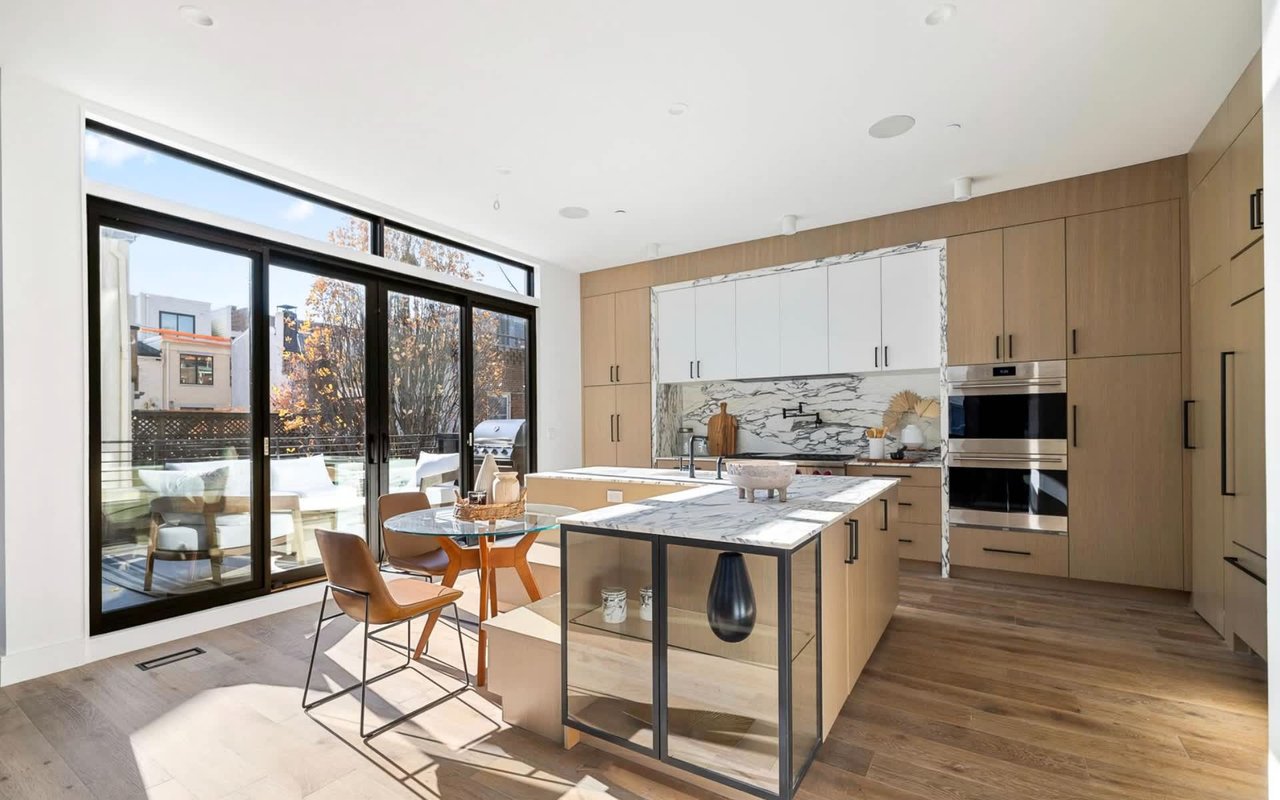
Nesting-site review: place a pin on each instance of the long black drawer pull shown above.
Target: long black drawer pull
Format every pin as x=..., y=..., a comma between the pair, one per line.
x=882, y=475
x=1186, y=425
x=1006, y=552
x=904, y=505
x=1075, y=435
x=1235, y=562
x=885, y=526
x=906, y=541
x=853, y=541
x=1222, y=420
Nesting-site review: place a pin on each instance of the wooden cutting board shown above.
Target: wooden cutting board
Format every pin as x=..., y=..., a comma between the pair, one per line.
x=722, y=432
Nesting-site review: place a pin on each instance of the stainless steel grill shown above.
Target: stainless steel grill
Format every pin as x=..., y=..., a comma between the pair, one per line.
x=504, y=439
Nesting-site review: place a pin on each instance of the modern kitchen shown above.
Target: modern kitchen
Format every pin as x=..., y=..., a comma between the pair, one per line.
x=912, y=443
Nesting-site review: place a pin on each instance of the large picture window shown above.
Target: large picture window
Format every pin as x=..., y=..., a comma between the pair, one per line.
x=247, y=393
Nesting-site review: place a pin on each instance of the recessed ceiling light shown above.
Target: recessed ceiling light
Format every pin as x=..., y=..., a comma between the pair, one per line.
x=676, y=109
x=940, y=14
x=954, y=126
x=619, y=211
x=574, y=212
x=789, y=224
x=196, y=16
x=890, y=127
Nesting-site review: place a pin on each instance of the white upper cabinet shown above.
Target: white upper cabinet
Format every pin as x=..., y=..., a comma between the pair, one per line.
x=758, y=325
x=911, y=328
x=803, y=304
x=676, y=350
x=715, y=331
x=853, y=311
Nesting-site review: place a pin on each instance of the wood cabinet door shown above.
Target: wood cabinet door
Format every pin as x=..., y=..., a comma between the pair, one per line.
x=715, y=332
x=599, y=406
x=858, y=614
x=1035, y=286
x=677, y=350
x=1246, y=511
x=1124, y=293
x=633, y=425
x=975, y=298
x=598, y=340
x=836, y=626
x=911, y=310
x=1209, y=336
x=759, y=326
x=633, y=336
x=853, y=317
x=803, y=300
x=1124, y=470
x=1244, y=158
x=1209, y=220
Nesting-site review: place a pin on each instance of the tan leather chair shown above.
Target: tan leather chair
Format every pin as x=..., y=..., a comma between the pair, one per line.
x=362, y=594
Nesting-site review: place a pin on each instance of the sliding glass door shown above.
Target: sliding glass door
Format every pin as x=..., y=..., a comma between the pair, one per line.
x=246, y=395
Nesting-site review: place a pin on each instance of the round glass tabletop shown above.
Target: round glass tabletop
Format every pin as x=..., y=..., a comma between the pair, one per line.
x=442, y=522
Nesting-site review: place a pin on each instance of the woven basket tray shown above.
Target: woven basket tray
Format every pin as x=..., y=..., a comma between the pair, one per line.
x=488, y=513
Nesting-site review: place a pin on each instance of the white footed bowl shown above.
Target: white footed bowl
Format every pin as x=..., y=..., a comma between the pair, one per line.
x=772, y=476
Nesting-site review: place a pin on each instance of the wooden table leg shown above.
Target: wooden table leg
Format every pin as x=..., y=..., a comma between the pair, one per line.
x=486, y=574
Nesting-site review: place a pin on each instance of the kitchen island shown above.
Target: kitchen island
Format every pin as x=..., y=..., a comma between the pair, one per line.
x=716, y=636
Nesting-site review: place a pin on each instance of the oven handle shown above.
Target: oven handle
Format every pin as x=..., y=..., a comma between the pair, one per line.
x=1030, y=382
x=1018, y=459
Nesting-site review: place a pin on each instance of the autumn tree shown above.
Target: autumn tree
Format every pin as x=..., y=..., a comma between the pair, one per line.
x=323, y=390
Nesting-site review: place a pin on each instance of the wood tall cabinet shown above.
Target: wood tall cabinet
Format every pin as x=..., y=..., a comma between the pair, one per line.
x=616, y=372
x=1125, y=470
x=1006, y=295
x=1124, y=281
x=1210, y=328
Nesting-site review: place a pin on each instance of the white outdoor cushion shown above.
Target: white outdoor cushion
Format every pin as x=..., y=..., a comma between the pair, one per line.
x=230, y=536
x=300, y=476
x=281, y=525
x=166, y=483
x=178, y=538
x=431, y=464
x=337, y=498
x=239, y=477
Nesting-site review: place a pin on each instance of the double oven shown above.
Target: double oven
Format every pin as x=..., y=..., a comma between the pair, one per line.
x=1007, y=446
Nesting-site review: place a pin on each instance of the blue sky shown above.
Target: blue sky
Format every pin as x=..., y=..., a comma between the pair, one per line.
x=164, y=267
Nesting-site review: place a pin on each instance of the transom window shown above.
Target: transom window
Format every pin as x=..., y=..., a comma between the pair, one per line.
x=182, y=323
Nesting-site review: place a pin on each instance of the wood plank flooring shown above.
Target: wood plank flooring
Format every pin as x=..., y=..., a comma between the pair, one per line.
x=978, y=691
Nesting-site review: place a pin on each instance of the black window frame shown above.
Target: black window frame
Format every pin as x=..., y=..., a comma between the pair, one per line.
x=377, y=223
x=178, y=318
x=105, y=212
x=208, y=357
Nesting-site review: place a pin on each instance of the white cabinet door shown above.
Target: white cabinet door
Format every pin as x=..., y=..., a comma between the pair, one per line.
x=911, y=310
x=803, y=300
x=853, y=317
x=757, y=326
x=715, y=331
x=677, y=350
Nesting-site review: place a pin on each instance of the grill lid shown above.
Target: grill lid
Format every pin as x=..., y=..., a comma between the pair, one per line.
x=504, y=431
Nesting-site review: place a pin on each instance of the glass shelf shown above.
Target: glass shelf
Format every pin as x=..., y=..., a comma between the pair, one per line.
x=689, y=630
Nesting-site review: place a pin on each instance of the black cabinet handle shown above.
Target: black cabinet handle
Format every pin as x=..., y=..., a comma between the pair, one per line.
x=699, y=368
x=885, y=503
x=906, y=541
x=1008, y=351
x=877, y=349
x=1073, y=341
x=617, y=373
x=904, y=505
x=618, y=417
x=611, y=436
x=690, y=369
x=886, y=356
x=1255, y=211
x=1186, y=425
x=1222, y=420
x=1075, y=428
x=854, y=541
x=1235, y=562
x=903, y=477
x=1002, y=551
x=997, y=347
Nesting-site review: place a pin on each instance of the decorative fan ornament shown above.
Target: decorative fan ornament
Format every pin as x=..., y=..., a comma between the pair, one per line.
x=906, y=404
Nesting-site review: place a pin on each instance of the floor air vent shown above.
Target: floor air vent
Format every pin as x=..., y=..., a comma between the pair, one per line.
x=160, y=661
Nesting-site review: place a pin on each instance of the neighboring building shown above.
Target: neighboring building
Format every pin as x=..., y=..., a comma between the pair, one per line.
x=182, y=371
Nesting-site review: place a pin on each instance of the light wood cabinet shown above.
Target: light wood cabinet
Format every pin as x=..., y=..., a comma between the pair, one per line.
x=911, y=316
x=1012, y=551
x=617, y=426
x=1124, y=281
x=1125, y=462
x=853, y=317
x=1244, y=205
x=759, y=321
x=1209, y=220
x=975, y=297
x=836, y=632
x=802, y=296
x=1035, y=305
x=1210, y=309
x=616, y=338
x=1246, y=502
x=1005, y=295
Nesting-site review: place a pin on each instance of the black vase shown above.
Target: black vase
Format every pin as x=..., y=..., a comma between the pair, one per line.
x=731, y=603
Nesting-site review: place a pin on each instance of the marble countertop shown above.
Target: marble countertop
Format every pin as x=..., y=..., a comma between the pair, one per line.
x=712, y=512
x=632, y=475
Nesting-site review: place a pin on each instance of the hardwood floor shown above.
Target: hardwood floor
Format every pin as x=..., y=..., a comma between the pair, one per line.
x=977, y=691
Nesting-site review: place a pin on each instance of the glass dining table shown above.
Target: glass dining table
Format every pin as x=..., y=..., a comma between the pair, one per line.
x=488, y=538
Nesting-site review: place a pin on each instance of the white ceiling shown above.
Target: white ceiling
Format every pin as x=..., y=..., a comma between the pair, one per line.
x=417, y=103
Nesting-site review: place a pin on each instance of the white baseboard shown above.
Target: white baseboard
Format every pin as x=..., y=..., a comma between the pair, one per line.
x=28, y=664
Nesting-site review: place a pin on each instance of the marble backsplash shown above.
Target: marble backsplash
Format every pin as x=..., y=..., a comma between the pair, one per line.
x=848, y=405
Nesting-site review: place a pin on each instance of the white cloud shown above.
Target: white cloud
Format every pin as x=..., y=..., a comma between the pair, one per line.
x=110, y=152
x=299, y=210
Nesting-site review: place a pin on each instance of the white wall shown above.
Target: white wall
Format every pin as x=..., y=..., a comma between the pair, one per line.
x=1271, y=175
x=44, y=424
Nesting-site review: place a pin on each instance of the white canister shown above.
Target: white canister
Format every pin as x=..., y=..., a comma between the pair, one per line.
x=505, y=489
x=875, y=448
x=912, y=437
x=613, y=605
x=646, y=603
